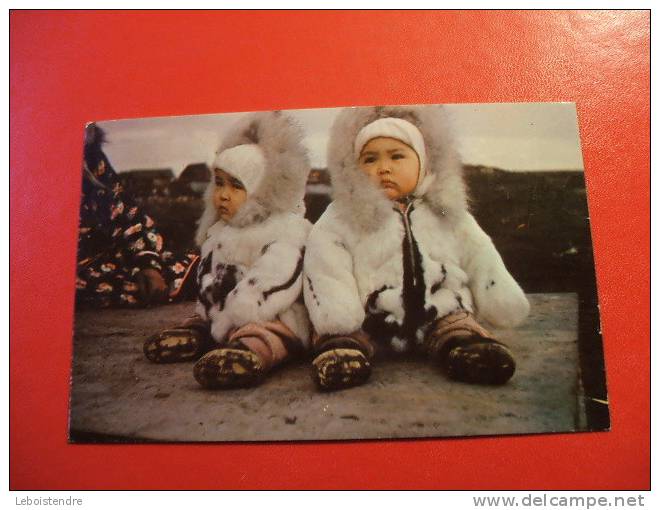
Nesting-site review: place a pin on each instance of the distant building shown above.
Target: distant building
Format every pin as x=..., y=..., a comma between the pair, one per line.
x=481, y=170
x=192, y=181
x=195, y=172
x=317, y=196
x=147, y=182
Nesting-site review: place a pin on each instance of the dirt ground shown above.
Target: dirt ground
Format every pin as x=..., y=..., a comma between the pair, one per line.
x=117, y=395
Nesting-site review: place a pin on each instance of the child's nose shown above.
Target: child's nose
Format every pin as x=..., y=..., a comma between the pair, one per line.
x=383, y=168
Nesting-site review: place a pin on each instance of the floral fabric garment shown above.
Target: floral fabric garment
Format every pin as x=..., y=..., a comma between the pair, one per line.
x=116, y=242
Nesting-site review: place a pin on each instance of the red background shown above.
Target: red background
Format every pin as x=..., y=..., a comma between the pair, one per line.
x=69, y=67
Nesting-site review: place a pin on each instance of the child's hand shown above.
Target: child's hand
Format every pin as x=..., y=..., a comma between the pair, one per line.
x=221, y=325
x=499, y=299
x=152, y=288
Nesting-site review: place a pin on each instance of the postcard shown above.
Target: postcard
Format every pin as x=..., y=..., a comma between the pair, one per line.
x=336, y=274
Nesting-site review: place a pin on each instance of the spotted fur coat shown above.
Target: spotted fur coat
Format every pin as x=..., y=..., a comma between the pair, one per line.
x=251, y=266
x=370, y=265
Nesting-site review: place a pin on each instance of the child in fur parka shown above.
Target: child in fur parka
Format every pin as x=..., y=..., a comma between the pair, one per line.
x=397, y=260
x=252, y=236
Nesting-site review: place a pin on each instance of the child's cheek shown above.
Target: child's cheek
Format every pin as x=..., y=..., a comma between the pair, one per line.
x=238, y=199
x=373, y=176
x=216, y=199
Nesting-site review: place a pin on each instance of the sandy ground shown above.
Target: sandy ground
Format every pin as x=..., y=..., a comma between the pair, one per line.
x=118, y=395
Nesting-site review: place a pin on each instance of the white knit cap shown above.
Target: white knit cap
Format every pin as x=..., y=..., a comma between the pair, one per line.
x=392, y=127
x=244, y=162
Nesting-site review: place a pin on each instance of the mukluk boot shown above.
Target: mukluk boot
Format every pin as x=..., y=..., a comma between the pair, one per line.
x=342, y=361
x=185, y=342
x=251, y=352
x=468, y=352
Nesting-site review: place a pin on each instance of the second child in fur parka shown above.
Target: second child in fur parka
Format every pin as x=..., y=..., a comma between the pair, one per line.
x=397, y=260
x=252, y=236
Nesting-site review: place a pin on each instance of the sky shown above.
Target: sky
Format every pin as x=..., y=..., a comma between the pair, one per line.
x=511, y=136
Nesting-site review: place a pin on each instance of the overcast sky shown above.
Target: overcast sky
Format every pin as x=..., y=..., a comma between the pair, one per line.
x=511, y=136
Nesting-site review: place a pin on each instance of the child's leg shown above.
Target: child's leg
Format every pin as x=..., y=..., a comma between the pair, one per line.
x=251, y=352
x=342, y=361
x=184, y=342
x=467, y=351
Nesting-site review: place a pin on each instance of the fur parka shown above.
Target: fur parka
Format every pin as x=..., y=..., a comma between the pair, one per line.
x=251, y=267
x=371, y=266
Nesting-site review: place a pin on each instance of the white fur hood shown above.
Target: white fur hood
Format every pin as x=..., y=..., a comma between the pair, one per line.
x=282, y=188
x=359, y=201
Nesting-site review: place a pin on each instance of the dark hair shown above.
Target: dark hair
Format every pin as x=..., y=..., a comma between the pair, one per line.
x=93, y=149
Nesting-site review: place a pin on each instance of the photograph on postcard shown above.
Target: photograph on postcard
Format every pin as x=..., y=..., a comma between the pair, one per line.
x=335, y=274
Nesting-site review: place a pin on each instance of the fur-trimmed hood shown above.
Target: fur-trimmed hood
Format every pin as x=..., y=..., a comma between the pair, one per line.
x=359, y=201
x=282, y=188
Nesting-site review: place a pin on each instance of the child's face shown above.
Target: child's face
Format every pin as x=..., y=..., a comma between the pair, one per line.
x=228, y=195
x=390, y=164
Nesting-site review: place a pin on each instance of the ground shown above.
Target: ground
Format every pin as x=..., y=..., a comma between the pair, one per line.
x=118, y=395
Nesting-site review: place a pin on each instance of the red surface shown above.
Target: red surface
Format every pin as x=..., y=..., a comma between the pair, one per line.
x=68, y=68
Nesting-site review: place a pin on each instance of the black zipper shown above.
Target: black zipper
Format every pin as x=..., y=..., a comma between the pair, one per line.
x=414, y=289
x=409, y=236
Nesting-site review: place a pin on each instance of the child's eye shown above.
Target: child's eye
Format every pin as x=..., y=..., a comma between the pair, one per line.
x=398, y=156
x=219, y=181
x=237, y=184
x=368, y=159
